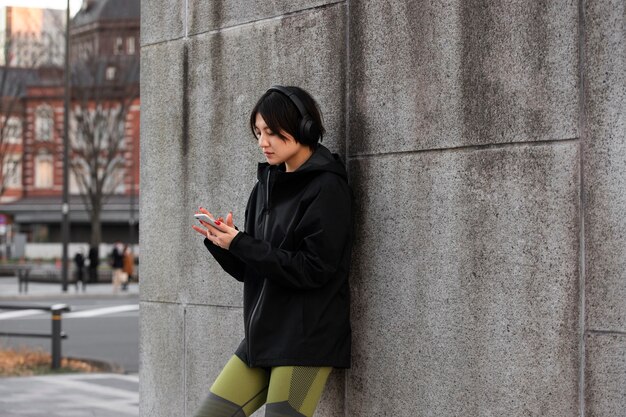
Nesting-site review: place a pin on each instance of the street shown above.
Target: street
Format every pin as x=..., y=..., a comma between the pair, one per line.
x=101, y=329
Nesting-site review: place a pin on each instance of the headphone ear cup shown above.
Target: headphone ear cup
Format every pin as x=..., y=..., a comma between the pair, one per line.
x=309, y=130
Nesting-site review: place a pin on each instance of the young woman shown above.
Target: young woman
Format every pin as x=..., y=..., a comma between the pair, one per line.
x=293, y=259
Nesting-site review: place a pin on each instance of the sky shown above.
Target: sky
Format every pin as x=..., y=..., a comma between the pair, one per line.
x=50, y=4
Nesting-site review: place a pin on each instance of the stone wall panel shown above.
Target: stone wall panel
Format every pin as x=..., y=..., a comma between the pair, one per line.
x=162, y=20
x=429, y=74
x=161, y=360
x=465, y=283
x=604, y=155
x=163, y=227
x=605, y=375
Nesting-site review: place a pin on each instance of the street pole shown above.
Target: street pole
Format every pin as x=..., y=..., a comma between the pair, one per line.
x=65, y=209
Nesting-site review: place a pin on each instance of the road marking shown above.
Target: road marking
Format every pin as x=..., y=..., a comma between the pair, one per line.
x=21, y=313
x=102, y=311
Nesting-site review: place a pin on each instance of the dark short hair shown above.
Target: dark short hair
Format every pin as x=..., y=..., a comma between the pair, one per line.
x=282, y=115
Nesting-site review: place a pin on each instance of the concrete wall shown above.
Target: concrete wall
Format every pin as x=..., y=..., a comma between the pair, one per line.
x=486, y=144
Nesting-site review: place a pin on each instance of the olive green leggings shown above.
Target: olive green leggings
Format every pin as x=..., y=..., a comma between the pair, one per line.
x=288, y=391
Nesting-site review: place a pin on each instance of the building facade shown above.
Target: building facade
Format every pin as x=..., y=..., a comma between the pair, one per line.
x=104, y=81
x=31, y=37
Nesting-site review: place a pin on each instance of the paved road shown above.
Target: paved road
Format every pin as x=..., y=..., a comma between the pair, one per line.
x=101, y=329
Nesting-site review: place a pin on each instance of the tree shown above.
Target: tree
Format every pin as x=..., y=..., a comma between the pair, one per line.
x=103, y=91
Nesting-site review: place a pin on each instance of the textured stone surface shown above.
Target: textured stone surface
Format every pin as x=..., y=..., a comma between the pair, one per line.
x=163, y=226
x=211, y=15
x=605, y=165
x=162, y=20
x=430, y=74
x=230, y=70
x=161, y=359
x=332, y=402
x=606, y=375
x=212, y=334
x=465, y=283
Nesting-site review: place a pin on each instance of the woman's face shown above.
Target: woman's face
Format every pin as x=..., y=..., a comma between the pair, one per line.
x=276, y=149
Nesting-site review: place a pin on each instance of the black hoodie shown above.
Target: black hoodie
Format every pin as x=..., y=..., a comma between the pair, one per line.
x=294, y=259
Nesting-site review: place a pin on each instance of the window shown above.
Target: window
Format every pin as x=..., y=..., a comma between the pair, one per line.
x=114, y=182
x=79, y=169
x=44, y=171
x=119, y=46
x=44, y=122
x=130, y=45
x=13, y=130
x=110, y=73
x=12, y=171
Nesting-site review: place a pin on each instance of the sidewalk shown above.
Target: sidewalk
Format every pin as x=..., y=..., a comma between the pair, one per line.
x=70, y=395
x=38, y=290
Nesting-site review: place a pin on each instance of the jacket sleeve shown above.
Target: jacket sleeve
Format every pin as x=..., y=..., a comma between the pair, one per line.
x=322, y=236
x=229, y=263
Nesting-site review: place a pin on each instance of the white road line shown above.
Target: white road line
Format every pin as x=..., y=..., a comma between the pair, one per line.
x=102, y=311
x=21, y=313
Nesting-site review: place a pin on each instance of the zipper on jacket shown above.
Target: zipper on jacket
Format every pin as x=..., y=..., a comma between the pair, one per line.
x=258, y=300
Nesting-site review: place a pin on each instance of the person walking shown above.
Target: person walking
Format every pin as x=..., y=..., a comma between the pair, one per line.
x=94, y=261
x=117, y=263
x=128, y=262
x=79, y=262
x=293, y=258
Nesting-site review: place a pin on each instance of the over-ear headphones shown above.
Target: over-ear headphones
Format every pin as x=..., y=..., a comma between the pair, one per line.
x=308, y=130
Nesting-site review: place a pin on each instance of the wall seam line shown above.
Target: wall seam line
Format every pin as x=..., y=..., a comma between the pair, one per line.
x=346, y=146
x=606, y=332
x=192, y=304
x=186, y=19
x=470, y=147
x=582, y=209
x=268, y=19
x=184, y=360
x=161, y=42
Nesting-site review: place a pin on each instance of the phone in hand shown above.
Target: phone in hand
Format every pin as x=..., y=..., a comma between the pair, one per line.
x=205, y=218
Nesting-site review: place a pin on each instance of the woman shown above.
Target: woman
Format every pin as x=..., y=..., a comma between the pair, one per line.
x=293, y=260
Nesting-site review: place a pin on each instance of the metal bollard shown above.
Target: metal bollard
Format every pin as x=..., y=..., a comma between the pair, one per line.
x=57, y=334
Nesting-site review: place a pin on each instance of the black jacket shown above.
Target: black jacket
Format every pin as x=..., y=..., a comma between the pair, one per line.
x=294, y=259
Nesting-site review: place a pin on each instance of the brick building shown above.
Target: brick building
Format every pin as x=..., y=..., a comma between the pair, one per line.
x=102, y=72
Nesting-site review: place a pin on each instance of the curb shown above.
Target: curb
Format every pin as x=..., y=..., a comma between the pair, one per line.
x=66, y=296
x=104, y=367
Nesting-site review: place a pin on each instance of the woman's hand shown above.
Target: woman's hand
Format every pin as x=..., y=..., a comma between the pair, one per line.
x=223, y=234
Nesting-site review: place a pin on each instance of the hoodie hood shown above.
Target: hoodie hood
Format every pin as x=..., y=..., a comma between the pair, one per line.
x=322, y=160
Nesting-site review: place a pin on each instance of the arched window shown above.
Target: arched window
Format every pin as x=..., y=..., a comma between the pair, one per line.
x=44, y=122
x=13, y=130
x=12, y=171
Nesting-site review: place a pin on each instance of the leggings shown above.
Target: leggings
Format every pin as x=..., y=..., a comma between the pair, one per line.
x=288, y=391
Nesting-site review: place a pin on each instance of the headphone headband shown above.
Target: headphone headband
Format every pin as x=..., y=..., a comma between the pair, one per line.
x=291, y=96
x=307, y=129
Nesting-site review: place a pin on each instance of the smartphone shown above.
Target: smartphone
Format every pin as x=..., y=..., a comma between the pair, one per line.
x=205, y=218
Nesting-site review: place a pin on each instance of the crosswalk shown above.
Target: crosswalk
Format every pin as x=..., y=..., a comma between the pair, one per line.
x=83, y=313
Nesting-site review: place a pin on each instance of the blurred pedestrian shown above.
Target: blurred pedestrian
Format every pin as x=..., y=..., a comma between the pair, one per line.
x=117, y=263
x=79, y=262
x=129, y=266
x=94, y=261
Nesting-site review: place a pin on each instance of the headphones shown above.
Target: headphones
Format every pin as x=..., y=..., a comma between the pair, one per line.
x=307, y=129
